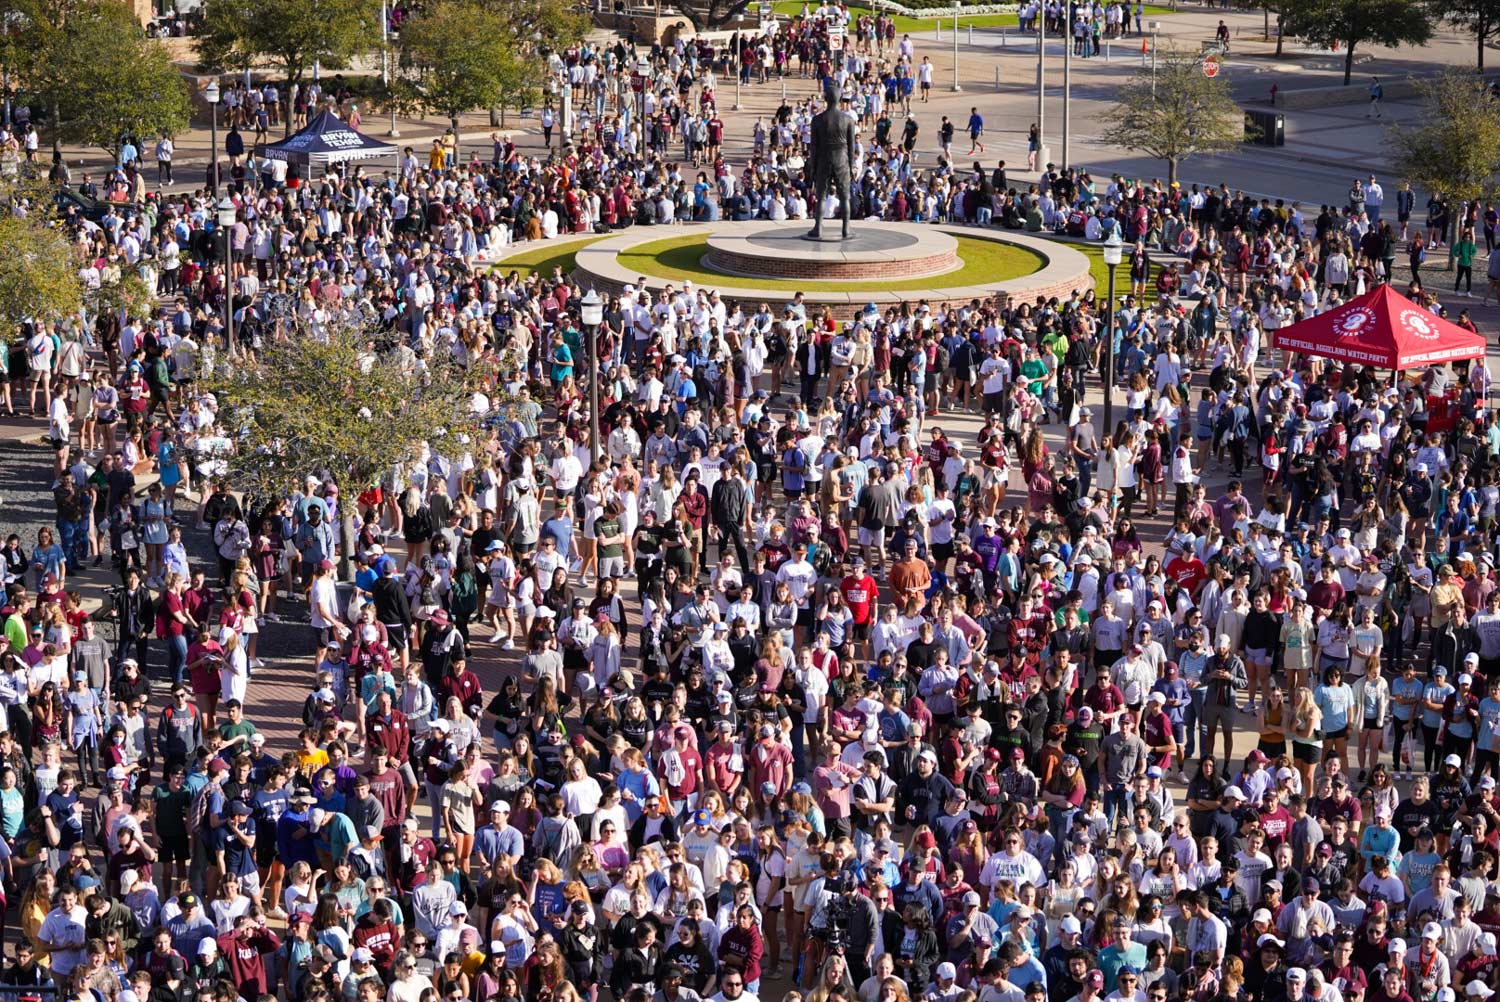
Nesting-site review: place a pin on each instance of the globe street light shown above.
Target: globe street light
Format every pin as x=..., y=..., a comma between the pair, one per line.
x=591, y=312
x=1114, y=251
x=211, y=95
x=226, y=215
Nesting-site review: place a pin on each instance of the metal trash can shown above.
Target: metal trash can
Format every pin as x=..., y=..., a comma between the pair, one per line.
x=1265, y=128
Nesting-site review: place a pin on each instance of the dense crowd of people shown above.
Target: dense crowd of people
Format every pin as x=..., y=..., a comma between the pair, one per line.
x=814, y=694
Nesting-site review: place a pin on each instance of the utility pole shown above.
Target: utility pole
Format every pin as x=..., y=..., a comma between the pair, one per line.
x=1067, y=83
x=956, y=87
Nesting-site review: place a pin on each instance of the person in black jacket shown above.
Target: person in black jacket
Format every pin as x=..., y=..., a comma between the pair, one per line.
x=640, y=963
x=655, y=824
x=392, y=609
x=859, y=919
x=916, y=954
x=728, y=510
x=579, y=943
x=134, y=614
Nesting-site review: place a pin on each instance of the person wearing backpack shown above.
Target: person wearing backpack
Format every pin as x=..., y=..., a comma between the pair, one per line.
x=556, y=835
x=463, y=593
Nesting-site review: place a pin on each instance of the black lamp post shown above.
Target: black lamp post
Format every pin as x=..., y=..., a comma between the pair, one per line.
x=591, y=312
x=211, y=95
x=1114, y=251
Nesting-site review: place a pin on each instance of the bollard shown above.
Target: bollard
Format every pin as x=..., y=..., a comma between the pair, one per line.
x=1004, y=39
x=971, y=34
x=997, y=77
x=937, y=30
x=1106, y=52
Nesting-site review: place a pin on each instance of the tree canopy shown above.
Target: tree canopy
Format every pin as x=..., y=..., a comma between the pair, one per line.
x=38, y=273
x=458, y=56
x=292, y=34
x=335, y=404
x=1175, y=112
x=90, y=63
x=1352, y=22
x=1453, y=147
x=1480, y=18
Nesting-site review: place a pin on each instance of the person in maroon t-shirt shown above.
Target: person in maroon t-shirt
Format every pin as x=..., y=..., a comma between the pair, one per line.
x=1275, y=820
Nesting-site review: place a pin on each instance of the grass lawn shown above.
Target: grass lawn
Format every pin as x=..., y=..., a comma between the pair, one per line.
x=678, y=258
x=912, y=25
x=1100, y=271
x=546, y=256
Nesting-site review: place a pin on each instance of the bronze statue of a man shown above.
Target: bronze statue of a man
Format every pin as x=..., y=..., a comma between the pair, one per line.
x=832, y=143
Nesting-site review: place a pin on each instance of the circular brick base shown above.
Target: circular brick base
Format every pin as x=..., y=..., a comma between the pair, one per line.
x=1065, y=272
x=874, y=251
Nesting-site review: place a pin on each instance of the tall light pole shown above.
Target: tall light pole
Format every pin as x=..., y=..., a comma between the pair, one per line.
x=1067, y=81
x=1041, y=86
x=385, y=62
x=1114, y=250
x=211, y=95
x=643, y=68
x=956, y=87
x=591, y=312
x=226, y=218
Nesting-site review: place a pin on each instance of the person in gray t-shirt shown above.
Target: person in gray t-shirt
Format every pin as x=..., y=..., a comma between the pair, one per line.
x=1123, y=758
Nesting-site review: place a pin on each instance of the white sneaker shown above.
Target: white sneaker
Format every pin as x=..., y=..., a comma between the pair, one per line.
x=509, y=645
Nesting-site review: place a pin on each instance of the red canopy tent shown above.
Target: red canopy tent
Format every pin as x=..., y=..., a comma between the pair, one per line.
x=1384, y=329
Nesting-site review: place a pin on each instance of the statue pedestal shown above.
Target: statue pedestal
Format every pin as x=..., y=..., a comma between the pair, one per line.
x=871, y=251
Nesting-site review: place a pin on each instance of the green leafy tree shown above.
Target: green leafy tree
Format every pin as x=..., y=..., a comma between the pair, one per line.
x=91, y=64
x=336, y=402
x=1352, y=22
x=292, y=34
x=1280, y=8
x=124, y=292
x=1175, y=112
x=1453, y=147
x=459, y=56
x=38, y=273
x=1480, y=18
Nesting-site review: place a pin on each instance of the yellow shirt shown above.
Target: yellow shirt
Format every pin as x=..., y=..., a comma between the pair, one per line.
x=311, y=761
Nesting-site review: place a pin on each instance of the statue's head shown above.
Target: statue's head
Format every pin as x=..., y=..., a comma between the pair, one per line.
x=830, y=92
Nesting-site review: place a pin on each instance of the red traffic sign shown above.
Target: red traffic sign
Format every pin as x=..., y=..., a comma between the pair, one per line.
x=1210, y=68
x=637, y=82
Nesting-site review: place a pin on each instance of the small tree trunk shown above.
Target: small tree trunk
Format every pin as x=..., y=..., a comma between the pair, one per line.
x=1481, y=32
x=1280, y=34
x=1171, y=171
x=1348, y=62
x=286, y=102
x=347, y=541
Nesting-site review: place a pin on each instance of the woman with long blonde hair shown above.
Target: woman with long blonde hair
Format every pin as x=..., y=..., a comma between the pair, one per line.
x=1307, y=740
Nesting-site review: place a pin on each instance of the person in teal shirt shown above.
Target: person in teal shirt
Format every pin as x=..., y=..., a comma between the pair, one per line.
x=335, y=833
x=561, y=359
x=1406, y=699
x=12, y=804
x=1123, y=953
x=1487, y=748
x=1380, y=838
